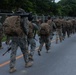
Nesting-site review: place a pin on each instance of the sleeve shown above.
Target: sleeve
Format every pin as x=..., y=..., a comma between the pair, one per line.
x=35, y=26
x=24, y=25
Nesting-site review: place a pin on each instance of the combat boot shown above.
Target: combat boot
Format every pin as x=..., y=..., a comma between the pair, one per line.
x=39, y=53
x=29, y=64
x=12, y=70
x=47, y=51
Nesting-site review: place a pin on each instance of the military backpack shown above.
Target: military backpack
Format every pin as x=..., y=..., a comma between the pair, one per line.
x=12, y=26
x=44, y=29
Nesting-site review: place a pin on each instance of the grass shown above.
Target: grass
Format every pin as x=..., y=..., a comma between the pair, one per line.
x=4, y=38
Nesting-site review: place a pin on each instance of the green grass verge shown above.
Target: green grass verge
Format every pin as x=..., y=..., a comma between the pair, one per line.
x=4, y=39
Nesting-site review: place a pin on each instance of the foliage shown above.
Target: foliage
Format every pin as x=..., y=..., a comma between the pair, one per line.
x=68, y=7
x=47, y=7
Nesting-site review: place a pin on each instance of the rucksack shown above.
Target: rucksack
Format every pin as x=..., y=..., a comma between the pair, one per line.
x=12, y=26
x=68, y=24
x=44, y=29
x=58, y=23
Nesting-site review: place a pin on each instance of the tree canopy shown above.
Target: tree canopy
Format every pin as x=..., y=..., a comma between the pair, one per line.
x=46, y=7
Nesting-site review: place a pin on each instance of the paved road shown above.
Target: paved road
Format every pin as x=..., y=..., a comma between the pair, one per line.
x=61, y=60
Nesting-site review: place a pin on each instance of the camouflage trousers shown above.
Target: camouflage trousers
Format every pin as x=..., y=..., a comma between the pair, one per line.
x=45, y=40
x=63, y=33
x=22, y=43
x=51, y=35
x=7, y=40
x=58, y=35
x=32, y=44
x=68, y=32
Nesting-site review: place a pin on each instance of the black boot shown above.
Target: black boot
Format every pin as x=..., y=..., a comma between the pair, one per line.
x=39, y=53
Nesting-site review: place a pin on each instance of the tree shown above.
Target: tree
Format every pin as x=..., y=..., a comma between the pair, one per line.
x=68, y=7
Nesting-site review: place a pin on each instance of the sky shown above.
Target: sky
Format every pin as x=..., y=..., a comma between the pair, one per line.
x=57, y=0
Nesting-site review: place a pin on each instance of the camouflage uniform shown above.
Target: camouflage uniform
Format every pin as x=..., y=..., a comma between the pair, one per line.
x=64, y=29
x=73, y=26
x=58, y=34
x=68, y=28
x=7, y=40
x=51, y=23
x=44, y=39
x=31, y=39
x=38, y=22
x=35, y=29
x=58, y=23
x=32, y=44
x=20, y=41
x=1, y=35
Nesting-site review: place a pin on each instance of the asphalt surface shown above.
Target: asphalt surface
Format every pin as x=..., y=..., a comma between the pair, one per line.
x=61, y=60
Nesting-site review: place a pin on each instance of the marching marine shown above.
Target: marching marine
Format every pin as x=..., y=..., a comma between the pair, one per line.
x=18, y=33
